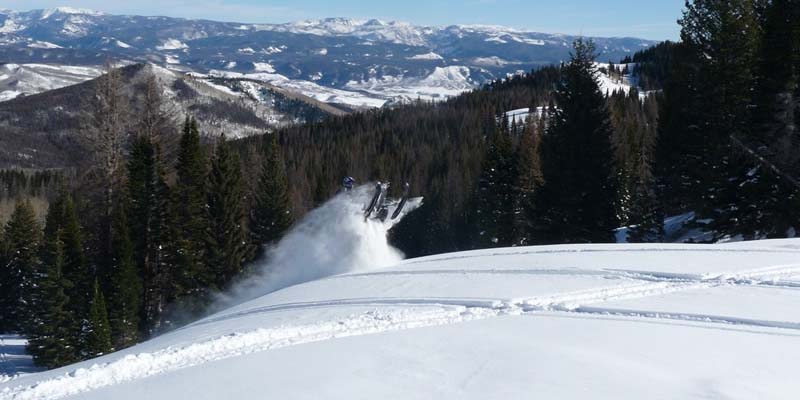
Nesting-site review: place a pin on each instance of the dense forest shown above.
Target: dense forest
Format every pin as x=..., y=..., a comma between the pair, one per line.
x=158, y=221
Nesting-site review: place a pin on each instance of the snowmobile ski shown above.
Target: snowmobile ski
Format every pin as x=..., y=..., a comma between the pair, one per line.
x=402, y=204
x=377, y=200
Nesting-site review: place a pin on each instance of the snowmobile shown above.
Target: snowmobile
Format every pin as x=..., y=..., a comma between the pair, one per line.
x=380, y=207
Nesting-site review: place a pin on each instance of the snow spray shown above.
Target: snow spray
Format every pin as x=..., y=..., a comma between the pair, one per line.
x=332, y=239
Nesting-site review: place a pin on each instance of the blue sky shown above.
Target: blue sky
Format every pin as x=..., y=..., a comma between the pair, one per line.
x=650, y=19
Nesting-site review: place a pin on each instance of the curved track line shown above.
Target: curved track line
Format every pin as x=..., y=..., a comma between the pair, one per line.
x=609, y=250
x=705, y=318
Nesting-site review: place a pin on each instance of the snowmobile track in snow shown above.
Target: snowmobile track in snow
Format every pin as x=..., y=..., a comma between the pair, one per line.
x=7, y=368
x=394, y=314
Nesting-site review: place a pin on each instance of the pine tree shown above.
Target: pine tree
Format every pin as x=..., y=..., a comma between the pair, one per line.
x=646, y=218
x=723, y=35
x=776, y=81
x=190, y=221
x=99, y=331
x=767, y=198
x=64, y=247
x=529, y=179
x=19, y=268
x=579, y=192
x=271, y=214
x=680, y=147
x=497, y=191
x=148, y=219
x=124, y=306
x=227, y=241
x=54, y=338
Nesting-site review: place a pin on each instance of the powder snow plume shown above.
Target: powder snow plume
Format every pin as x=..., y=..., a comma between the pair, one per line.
x=331, y=240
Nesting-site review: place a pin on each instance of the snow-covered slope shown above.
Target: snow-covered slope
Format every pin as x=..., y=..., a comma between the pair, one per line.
x=558, y=322
x=27, y=79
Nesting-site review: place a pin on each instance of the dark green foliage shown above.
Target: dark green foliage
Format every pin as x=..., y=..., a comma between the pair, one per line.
x=497, y=191
x=723, y=38
x=645, y=217
x=634, y=140
x=124, y=307
x=529, y=178
x=15, y=183
x=227, y=243
x=769, y=194
x=271, y=213
x=54, y=338
x=680, y=150
x=654, y=65
x=148, y=219
x=99, y=331
x=579, y=192
x=19, y=268
x=190, y=216
x=64, y=246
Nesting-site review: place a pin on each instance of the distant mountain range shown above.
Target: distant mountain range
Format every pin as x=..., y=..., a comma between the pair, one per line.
x=355, y=63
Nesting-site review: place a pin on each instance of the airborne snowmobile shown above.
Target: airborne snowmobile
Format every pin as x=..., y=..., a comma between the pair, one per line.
x=380, y=207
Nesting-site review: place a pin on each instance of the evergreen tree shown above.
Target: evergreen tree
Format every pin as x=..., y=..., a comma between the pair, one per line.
x=54, y=336
x=722, y=35
x=99, y=331
x=579, y=192
x=680, y=149
x=190, y=277
x=529, y=179
x=497, y=191
x=776, y=82
x=124, y=306
x=767, y=194
x=646, y=218
x=190, y=217
x=148, y=216
x=64, y=247
x=271, y=214
x=19, y=268
x=227, y=241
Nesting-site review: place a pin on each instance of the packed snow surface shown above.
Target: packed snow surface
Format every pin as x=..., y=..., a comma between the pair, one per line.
x=617, y=321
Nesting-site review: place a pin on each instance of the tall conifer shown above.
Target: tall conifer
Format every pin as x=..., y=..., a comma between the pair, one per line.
x=271, y=214
x=148, y=220
x=19, y=269
x=227, y=242
x=579, y=193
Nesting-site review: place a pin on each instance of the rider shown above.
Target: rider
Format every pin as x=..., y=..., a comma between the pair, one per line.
x=348, y=183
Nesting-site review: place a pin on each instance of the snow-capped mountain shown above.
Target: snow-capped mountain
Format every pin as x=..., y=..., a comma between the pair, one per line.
x=561, y=322
x=380, y=61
